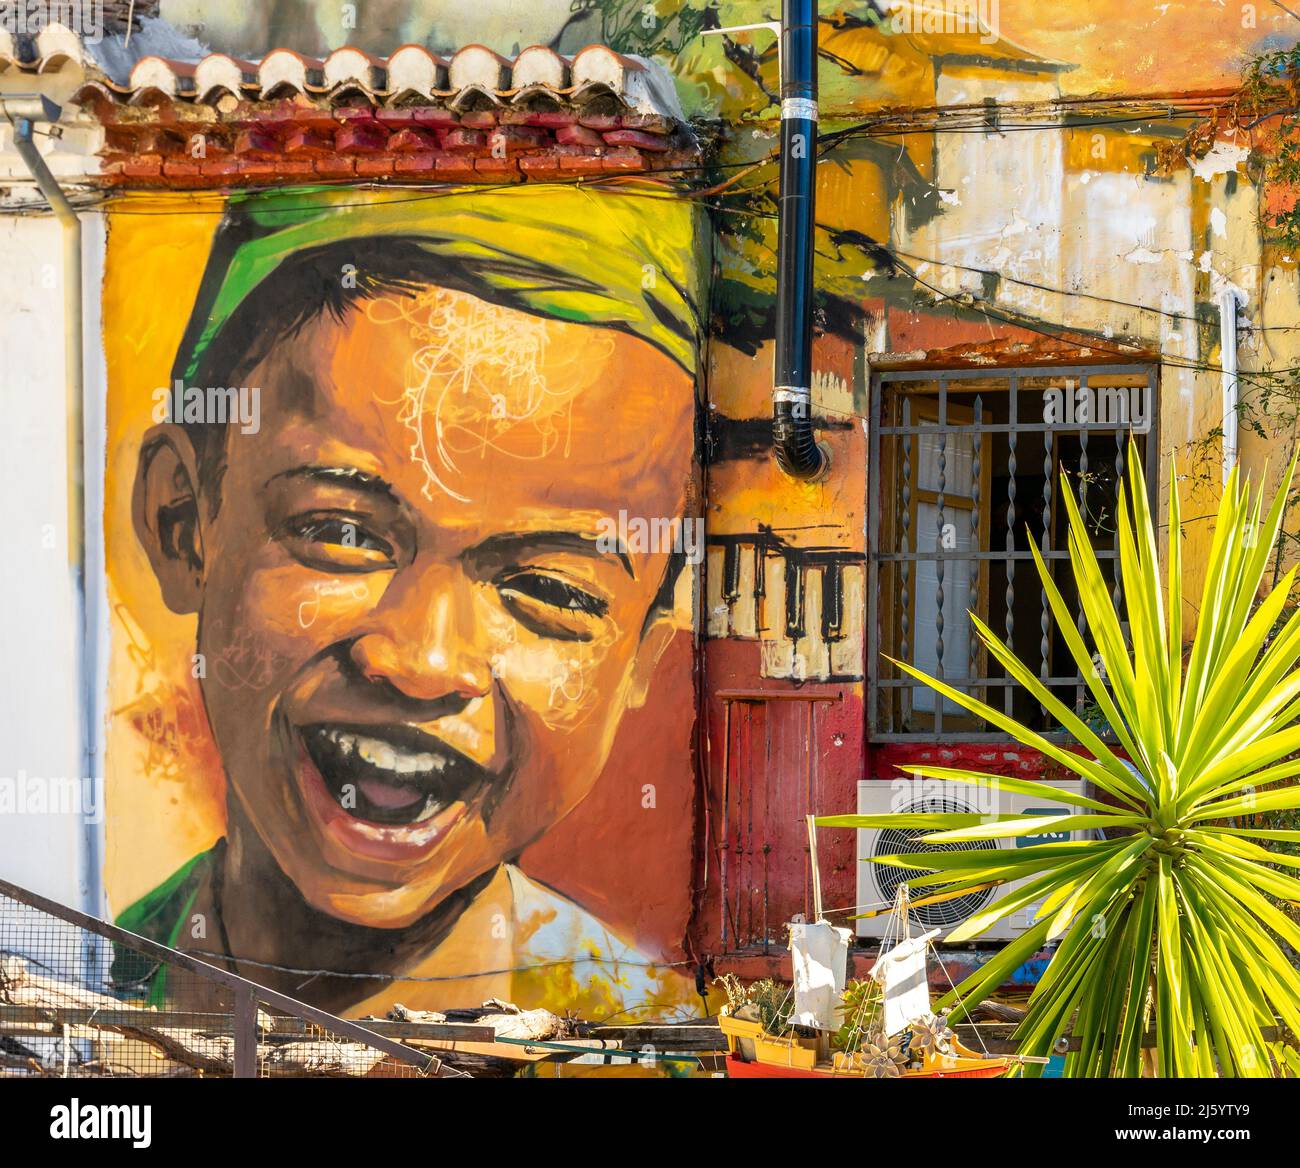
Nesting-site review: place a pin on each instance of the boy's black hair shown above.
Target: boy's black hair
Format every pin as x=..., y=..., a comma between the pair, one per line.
x=332, y=280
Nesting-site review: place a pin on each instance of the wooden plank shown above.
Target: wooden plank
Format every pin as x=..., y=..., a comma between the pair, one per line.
x=522, y=1050
x=664, y=1039
x=441, y=1031
x=224, y=1023
x=184, y=1020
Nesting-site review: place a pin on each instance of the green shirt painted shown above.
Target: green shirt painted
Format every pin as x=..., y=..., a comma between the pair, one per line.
x=159, y=915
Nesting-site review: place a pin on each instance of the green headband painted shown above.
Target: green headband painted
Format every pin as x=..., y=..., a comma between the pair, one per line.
x=629, y=259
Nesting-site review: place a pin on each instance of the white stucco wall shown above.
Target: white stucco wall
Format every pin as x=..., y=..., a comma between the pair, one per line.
x=49, y=828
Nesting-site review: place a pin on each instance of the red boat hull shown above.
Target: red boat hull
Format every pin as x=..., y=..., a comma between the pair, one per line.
x=738, y=1068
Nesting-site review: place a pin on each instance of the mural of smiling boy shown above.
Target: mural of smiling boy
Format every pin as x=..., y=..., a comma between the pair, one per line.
x=456, y=393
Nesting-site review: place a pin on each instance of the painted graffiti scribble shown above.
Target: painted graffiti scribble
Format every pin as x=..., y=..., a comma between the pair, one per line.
x=481, y=379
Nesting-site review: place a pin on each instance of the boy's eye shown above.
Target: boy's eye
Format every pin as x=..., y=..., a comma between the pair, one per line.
x=551, y=606
x=338, y=542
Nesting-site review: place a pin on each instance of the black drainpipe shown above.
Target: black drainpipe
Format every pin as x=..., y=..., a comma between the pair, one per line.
x=797, y=451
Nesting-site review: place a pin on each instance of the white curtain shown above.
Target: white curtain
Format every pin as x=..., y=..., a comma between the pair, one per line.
x=959, y=454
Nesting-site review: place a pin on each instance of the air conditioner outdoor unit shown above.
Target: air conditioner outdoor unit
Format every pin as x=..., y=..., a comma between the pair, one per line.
x=877, y=883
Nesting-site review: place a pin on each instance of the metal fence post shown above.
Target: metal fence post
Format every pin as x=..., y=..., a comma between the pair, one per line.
x=245, y=1034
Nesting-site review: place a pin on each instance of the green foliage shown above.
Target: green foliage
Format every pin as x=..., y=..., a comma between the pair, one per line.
x=1265, y=112
x=713, y=76
x=729, y=86
x=775, y=1003
x=859, y=1006
x=770, y=1002
x=1270, y=86
x=1169, y=918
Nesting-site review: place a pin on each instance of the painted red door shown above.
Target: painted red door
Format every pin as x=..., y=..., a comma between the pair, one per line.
x=770, y=785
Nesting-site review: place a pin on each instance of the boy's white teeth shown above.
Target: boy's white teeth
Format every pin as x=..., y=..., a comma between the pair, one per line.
x=377, y=754
x=384, y=756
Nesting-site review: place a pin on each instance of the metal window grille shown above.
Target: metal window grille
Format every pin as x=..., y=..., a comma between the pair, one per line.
x=965, y=472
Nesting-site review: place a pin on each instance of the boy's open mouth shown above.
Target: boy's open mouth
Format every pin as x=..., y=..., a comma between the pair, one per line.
x=390, y=774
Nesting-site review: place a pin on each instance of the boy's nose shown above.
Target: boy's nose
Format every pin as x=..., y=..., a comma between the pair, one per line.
x=426, y=646
x=421, y=673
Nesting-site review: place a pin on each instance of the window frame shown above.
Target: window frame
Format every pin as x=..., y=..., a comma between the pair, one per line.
x=1014, y=374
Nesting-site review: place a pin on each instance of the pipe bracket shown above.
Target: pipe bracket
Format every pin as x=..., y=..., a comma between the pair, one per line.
x=801, y=108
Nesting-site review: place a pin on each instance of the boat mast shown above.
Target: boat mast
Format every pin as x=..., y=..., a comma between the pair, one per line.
x=816, y=872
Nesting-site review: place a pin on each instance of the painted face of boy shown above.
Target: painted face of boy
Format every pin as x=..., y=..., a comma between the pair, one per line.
x=406, y=551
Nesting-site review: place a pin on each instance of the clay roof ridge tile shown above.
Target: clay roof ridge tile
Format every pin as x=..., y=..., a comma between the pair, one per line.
x=283, y=68
x=414, y=69
x=56, y=43
x=478, y=66
x=173, y=78
x=540, y=65
x=466, y=97
x=219, y=73
x=357, y=67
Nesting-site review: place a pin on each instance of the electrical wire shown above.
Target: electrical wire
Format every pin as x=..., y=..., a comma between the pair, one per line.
x=1165, y=359
x=826, y=141
x=589, y=959
x=117, y=206
x=884, y=127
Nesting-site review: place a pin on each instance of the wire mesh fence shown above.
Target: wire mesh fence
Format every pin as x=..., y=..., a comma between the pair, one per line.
x=81, y=998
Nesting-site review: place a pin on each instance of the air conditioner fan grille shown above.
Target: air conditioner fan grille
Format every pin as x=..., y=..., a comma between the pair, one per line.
x=892, y=841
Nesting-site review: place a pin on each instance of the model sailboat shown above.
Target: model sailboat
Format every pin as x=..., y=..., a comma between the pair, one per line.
x=883, y=1028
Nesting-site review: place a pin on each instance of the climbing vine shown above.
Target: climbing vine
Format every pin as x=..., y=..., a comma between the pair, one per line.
x=1265, y=114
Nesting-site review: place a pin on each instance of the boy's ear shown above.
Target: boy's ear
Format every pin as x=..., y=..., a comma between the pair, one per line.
x=165, y=511
x=656, y=638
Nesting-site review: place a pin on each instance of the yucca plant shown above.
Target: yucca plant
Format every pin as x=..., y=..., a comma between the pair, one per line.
x=1169, y=919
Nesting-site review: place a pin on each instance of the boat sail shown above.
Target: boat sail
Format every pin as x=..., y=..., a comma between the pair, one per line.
x=903, y=973
x=886, y=1029
x=819, y=953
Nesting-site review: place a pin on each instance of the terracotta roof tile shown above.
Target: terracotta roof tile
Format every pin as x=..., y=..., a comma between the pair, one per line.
x=218, y=74
x=172, y=78
x=352, y=67
x=283, y=72
x=474, y=116
x=479, y=68
x=540, y=68
x=414, y=71
x=411, y=71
